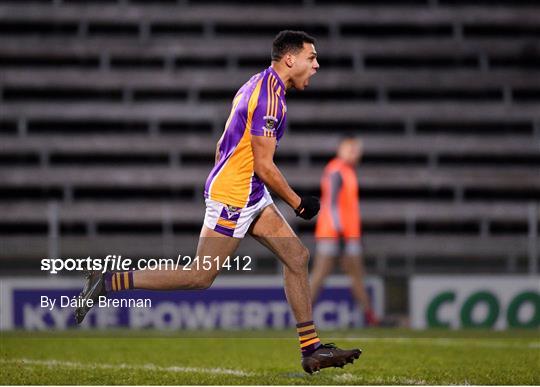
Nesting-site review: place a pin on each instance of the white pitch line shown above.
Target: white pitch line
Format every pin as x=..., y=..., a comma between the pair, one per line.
x=350, y=378
x=400, y=380
x=347, y=377
x=145, y=367
x=443, y=342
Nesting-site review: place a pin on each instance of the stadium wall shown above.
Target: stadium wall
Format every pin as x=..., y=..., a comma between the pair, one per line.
x=233, y=302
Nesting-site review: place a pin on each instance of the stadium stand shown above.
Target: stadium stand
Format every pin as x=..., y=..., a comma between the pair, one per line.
x=110, y=111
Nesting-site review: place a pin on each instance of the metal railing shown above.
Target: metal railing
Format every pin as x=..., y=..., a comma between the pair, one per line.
x=167, y=246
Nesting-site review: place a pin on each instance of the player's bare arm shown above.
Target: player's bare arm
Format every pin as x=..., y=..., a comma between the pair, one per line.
x=217, y=151
x=264, y=166
x=263, y=155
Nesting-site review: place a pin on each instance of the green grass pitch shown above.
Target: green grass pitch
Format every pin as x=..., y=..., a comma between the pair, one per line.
x=270, y=357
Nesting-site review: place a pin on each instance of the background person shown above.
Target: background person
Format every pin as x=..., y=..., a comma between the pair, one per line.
x=338, y=231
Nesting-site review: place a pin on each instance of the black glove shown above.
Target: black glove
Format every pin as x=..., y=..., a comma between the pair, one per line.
x=308, y=208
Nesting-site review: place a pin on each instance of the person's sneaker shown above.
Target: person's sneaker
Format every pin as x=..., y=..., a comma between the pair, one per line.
x=328, y=355
x=93, y=289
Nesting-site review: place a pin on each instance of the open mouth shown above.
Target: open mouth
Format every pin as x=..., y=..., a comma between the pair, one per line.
x=306, y=82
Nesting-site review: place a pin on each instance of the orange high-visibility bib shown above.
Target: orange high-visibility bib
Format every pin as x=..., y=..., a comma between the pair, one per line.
x=346, y=207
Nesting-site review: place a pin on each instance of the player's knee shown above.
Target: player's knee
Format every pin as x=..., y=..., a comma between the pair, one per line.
x=201, y=284
x=301, y=260
x=203, y=281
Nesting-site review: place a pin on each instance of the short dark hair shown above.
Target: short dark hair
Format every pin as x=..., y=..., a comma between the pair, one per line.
x=348, y=136
x=289, y=41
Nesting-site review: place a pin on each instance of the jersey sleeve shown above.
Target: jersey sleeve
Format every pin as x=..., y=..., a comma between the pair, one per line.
x=268, y=114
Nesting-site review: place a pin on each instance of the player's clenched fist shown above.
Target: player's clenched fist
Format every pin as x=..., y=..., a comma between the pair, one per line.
x=308, y=208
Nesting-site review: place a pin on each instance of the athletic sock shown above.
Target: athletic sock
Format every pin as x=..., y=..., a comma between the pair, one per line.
x=309, y=340
x=115, y=282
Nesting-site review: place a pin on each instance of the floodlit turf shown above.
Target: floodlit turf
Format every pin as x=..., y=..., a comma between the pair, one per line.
x=390, y=357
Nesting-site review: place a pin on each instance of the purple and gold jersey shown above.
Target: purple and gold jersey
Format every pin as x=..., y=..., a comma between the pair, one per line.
x=258, y=109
